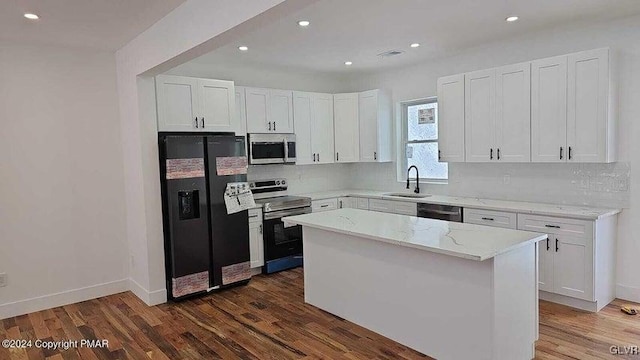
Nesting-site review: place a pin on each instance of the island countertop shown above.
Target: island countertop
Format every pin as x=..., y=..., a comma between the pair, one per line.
x=474, y=242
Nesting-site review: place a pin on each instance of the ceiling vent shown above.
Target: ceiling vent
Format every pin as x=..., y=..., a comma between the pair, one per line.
x=390, y=53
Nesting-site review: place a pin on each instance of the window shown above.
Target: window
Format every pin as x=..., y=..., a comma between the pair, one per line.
x=420, y=140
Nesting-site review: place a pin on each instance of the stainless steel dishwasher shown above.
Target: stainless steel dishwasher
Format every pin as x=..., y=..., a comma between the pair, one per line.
x=440, y=212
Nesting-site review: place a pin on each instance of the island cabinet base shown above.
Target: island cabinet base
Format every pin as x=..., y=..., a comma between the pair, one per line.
x=443, y=306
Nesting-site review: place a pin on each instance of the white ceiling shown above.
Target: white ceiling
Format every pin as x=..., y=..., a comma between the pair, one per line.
x=101, y=24
x=358, y=30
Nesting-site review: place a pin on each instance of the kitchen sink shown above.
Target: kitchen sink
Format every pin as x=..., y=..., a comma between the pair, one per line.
x=408, y=195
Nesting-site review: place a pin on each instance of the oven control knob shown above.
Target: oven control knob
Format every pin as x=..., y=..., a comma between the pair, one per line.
x=283, y=182
x=251, y=185
x=278, y=182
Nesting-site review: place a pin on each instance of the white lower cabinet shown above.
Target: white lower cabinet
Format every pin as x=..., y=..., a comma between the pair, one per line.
x=256, y=244
x=324, y=205
x=501, y=219
x=394, y=207
x=577, y=261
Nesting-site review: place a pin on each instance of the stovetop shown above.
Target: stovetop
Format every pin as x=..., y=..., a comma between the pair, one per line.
x=283, y=203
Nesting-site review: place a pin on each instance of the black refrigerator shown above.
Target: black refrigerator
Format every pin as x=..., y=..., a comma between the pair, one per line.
x=205, y=248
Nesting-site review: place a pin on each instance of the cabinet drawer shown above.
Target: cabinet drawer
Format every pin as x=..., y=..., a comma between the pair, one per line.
x=553, y=225
x=381, y=205
x=362, y=203
x=324, y=205
x=490, y=218
x=405, y=208
x=255, y=215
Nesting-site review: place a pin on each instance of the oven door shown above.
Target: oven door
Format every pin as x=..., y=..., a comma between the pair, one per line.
x=281, y=241
x=267, y=153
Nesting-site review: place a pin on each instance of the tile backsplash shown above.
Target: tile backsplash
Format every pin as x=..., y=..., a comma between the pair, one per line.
x=605, y=185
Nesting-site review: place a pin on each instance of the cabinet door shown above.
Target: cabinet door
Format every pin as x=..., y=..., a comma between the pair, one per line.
x=573, y=267
x=217, y=105
x=549, y=110
x=347, y=203
x=322, y=128
x=405, y=208
x=177, y=101
x=587, y=106
x=451, y=118
x=302, y=116
x=257, y=110
x=545, y=265
x=479, y=115
x=386, y=206
x=256, y=245
x=280, y=112
x=346, y=128
x=513, y=113
x=368, y=113
x=362, y=203
x=241, y=112
x=324, y=205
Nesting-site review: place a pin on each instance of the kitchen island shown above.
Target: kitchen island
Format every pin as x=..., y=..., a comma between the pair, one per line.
x=448, y=290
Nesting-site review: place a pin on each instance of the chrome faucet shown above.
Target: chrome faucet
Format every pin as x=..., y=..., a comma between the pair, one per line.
x=417, y=189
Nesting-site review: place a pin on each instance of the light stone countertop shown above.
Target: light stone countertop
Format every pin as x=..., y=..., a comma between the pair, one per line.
x=473, y=242
x=522, y=207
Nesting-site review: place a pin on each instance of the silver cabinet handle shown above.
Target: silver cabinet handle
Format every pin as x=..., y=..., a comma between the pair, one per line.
x=253, y=216
x=561, y=150
x=569, y=152
x=196, y=122
x=557, y=247
x=552, y=226
x=314, y=157
x=260, y=228
x=203, y=122
x=274, y=126
x=488, y=218
x=375, y=155
x=340, y=204
x=498, y=154
x=491, y=154
x=324, y=206
x=269, y=125
x=318, y=157
x=337, y=156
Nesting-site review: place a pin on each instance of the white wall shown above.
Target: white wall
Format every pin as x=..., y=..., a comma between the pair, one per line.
x=62, y=224
x=589, y=184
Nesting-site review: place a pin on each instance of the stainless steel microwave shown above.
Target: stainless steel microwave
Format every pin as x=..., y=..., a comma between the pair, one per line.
x=272, y=149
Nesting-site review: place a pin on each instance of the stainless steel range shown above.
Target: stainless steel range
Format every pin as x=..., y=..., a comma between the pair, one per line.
x=282, y=245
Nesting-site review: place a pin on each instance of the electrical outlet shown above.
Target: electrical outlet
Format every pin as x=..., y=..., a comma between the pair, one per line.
x=506, y=179
x=3, y=279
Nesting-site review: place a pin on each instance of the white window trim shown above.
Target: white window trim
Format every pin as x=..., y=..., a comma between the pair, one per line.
x=402, y=130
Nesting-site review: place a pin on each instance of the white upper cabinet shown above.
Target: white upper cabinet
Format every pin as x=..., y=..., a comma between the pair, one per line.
x=590, y=130
x=346, y=127
x=451, y=118
x=177, y=103
x=479, y=118
x=322, y=141
x=269, y=111
x=375, y=126
x=257, y=106
x=549, y=109
x=281, y=111
x=513, y=113
x=217, y=105
x=313, y=120
x=241, y=112
x=191, y=104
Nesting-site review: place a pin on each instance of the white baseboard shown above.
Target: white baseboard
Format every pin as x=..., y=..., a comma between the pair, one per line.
x=150, y=298
x=62, y=298
x=628, y=293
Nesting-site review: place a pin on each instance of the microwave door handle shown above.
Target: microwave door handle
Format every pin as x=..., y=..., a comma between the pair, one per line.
x=286, y=149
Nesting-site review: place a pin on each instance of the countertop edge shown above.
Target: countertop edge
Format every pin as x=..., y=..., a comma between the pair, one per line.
x=371, y=194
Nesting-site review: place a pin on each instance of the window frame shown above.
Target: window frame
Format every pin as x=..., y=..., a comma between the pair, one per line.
x=403, y=141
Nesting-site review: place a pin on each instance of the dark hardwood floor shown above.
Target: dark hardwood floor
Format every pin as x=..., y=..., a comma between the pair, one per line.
x=268, y=319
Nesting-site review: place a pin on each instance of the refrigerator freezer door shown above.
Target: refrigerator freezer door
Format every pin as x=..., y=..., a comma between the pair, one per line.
x=229, y=232
x=187, y=245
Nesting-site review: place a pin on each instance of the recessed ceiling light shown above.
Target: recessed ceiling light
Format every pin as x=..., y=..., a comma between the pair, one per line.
x=415, y=45
x=348, y=63
x=31, y=16
x=511, y=19
x=304, y=23
x=243, y=48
